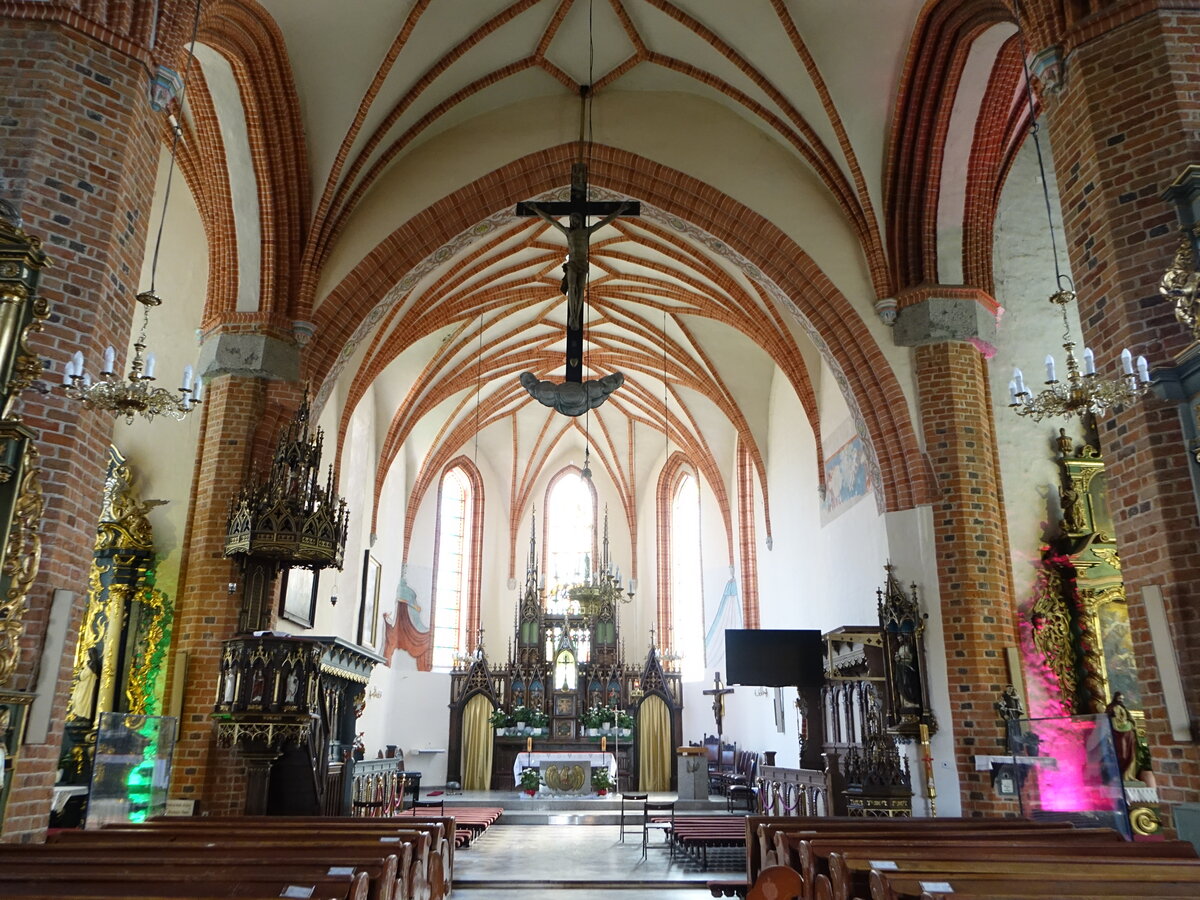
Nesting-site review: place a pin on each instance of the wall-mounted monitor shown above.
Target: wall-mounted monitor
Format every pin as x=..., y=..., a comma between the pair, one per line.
x=774, y=657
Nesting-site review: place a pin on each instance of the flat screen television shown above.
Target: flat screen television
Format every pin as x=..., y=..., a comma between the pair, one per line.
x=776, y=657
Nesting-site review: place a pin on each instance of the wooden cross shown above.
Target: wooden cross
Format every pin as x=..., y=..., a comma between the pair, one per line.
x=578, y=233
x=718, y=693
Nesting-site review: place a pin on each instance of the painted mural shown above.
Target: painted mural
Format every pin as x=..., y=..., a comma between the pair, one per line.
x=406, y=628
x=847, y=478
x=728, y=614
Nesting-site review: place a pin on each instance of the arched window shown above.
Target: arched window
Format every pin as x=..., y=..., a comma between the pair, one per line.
x=570, y=528
x=452, y=587
x=687, y=586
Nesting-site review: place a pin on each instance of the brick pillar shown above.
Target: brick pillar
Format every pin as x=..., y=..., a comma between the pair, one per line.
x=971, y=541
x=78, y=152
x=242, y=409
x=1123, y=125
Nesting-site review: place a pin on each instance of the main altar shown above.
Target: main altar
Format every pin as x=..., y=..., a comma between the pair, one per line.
x=565, y=668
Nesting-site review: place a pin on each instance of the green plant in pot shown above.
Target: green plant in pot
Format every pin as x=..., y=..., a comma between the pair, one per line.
x=500, y=720
x=602, y=782
x=530, y=781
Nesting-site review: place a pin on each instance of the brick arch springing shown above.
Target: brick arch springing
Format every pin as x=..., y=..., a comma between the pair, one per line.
x=872, y=385
x=938, y=52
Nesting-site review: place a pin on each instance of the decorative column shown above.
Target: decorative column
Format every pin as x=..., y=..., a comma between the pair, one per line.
x=1123, y=124
x=240, y=410
x=974, y=576
x=81, y=146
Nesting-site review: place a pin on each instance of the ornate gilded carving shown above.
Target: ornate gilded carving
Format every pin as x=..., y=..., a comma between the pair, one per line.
x=151, y=642
x=1180, y=285
x=22, y=310
x=23, y=552
x=1051, y=621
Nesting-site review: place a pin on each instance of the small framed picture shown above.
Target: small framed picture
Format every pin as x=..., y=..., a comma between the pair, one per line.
x=299, y=592
x=368, y=611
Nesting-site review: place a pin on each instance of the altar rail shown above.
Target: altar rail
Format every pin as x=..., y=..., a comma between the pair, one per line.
x=792, y=792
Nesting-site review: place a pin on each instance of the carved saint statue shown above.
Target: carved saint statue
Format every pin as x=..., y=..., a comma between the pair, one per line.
x=908, y=679
x=293, y=685
x=1124, y=736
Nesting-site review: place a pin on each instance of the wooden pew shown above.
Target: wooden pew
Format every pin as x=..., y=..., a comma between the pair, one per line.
x=382, y=868
x=161, y=881
x=425, y=879
x=1067, y=882
x=409, y=883
x=849, y=869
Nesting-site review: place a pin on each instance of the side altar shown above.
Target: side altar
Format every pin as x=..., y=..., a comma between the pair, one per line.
x=566, y=688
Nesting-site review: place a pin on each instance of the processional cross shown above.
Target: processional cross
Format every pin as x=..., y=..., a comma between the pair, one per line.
x=574, y=396
x=718, y=693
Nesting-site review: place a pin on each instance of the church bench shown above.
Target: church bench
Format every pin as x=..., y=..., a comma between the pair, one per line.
x=410, y=882
x=761, y=830
x=428, y=870
x=702, y=833
x=849, y=876
x=163, y=882
x=808, y=852
x=383, y=869
x=1068, y=882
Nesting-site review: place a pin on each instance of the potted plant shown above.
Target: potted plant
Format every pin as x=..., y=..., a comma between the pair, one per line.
x=530, y=781
x=522, y=714
x=624, y=723
x=500, y=721
x=589, y=721
x=602, y=782
x=538, y=721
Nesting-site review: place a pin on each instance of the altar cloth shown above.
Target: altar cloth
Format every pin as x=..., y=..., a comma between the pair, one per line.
x=533, y=759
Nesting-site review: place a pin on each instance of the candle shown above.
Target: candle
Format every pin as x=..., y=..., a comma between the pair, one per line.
x=528, y=744
x=110, y=356
x=149, y=365
x=1012, y=393
x=603, y=743
x=1019, y=381
x=1126, y=361
x=1050, y=368
x=1143, y=368
x=187, y=378
x=1089, y=361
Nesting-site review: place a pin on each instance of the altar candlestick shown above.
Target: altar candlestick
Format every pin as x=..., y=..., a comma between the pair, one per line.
x=603, y=744
x=528, y=744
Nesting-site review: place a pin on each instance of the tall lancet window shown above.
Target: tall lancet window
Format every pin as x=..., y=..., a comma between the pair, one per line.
x=687, y=587
x=452, y=579
x=570, y=528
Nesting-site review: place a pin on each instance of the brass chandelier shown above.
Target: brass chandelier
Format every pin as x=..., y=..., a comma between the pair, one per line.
x=1084, y=392
x=135, y=394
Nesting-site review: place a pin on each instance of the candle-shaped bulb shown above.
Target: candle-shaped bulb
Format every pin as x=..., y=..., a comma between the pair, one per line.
x=1012, y=393
x=199, y=390
x=77, y=362
x=149, y=365
x=1126, y=361
x=1019, y=381
x=87, y=380
x=1143, y=368
x=1050, y=368
x=528, y=744
x=67, y=370
x=1089, y=361
x=187, y=378
x=110, y=358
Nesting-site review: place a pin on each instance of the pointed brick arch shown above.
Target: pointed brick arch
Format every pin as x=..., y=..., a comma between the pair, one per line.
x=873, y=385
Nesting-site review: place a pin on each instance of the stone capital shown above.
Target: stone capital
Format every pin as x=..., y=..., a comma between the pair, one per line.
x=938, y=317
x=249, y=356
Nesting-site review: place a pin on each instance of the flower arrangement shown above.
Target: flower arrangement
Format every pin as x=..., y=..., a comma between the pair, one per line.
x=501, y=719
x=530, y=780
x=592, y=717
x=624, y=720
x=602, y=782
x=538, y=719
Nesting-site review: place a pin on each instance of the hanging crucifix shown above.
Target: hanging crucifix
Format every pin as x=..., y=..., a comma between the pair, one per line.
x=575, y=396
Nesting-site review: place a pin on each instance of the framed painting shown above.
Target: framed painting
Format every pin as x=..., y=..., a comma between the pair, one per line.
x=368, y=611
x=299, y=596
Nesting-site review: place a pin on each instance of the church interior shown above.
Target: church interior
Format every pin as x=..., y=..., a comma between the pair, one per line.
x=498, y=368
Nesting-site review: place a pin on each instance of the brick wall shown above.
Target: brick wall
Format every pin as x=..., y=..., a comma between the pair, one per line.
x=78, y=149
x=1124, y=125
x=971, y=548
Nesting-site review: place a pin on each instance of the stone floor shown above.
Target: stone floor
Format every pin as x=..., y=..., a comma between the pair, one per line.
x=580, y=862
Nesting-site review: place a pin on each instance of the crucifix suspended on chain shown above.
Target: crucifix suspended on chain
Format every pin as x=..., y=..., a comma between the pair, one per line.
x=574, y=396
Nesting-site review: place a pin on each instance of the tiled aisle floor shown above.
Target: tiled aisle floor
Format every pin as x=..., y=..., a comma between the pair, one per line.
x=540, y=862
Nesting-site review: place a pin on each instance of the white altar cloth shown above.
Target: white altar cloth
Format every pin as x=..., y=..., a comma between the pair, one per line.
x=535, y=758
